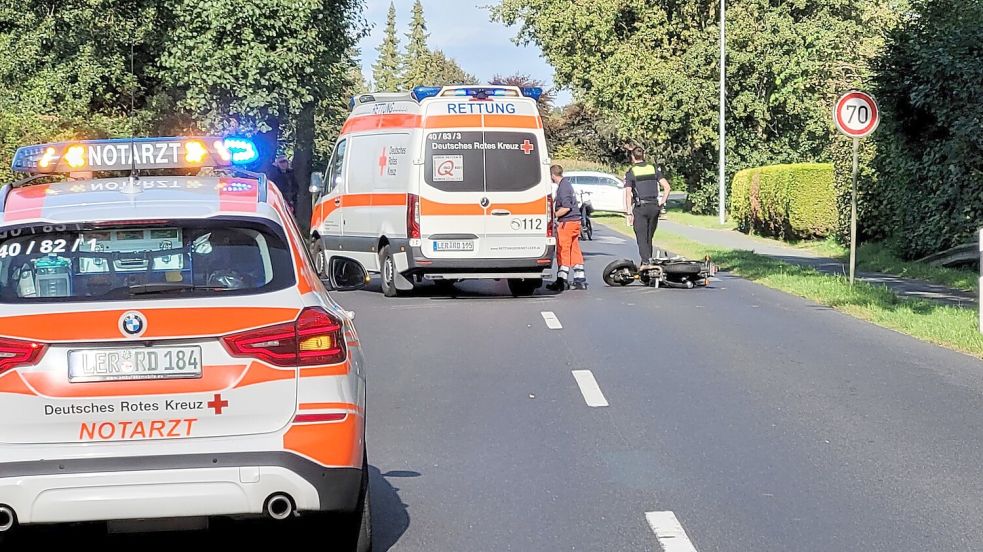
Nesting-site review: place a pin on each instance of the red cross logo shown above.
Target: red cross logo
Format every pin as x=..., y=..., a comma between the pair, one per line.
x=383, y=161
x=218, y=404
x=527, y=147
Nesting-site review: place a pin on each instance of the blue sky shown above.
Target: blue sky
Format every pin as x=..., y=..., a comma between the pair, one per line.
x=464, y=31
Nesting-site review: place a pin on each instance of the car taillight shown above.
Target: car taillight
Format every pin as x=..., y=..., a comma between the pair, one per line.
x=551, y=222
x=412, y=216
x=14, y=353
x=315, y=338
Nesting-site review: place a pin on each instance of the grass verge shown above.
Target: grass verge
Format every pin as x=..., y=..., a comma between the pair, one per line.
x=952, y=327
x=700, y=221
x=871, y=257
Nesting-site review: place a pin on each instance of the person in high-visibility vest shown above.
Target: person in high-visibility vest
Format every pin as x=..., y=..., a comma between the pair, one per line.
x=646, y=191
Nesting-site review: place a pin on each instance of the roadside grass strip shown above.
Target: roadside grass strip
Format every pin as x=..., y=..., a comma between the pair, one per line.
x=948, y=326
x=871, y=257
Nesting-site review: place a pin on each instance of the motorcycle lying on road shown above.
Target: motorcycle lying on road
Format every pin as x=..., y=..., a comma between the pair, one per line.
x=675, y=272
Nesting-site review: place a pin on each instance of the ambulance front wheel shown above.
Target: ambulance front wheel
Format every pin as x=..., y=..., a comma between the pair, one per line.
x=387, y=269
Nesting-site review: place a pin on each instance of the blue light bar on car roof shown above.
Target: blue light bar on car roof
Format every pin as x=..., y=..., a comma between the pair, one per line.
x=121, y=154
x=421, y=93
x=533, y=92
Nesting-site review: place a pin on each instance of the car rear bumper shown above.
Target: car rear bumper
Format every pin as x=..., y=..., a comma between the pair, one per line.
x=233, y=484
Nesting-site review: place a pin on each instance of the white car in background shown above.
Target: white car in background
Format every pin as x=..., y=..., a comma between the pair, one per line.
x=607, y=192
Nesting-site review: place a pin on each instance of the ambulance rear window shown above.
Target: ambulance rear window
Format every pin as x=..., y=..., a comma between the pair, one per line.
x=142, y=261
x=482, y=161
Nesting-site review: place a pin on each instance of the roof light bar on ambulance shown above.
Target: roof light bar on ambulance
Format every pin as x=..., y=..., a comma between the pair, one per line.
x=123, y=154
x=421, y=93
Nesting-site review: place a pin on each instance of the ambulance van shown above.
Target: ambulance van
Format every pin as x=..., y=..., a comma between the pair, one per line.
x=440, y=184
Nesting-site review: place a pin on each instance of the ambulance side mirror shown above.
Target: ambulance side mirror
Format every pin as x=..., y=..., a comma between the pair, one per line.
x=346, y=274
x=317, y=183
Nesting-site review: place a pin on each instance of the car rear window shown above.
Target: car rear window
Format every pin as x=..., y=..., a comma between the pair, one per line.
x=137, y=261
x=482, y=161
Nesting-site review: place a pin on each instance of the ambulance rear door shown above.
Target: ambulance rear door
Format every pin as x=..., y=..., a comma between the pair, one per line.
x=484, y=186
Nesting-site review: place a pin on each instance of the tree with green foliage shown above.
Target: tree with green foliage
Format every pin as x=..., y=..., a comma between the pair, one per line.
x=106, y=68
x=928, y=195
x=65, y=71
x=418, y=58
x=385, y=71
x=523, y=80
x=653, y=68
x=261, y=66
x=443, y=71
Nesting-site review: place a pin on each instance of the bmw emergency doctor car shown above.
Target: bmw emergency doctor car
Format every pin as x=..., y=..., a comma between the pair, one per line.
x=167, y=351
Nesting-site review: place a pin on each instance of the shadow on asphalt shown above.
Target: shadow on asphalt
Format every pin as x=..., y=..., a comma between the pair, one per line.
x=390, y=516
x=471, y=289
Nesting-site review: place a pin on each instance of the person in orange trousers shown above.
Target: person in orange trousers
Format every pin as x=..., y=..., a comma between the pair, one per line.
x=568, y=254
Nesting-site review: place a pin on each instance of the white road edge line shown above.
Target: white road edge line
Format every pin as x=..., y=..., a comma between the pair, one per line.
x=670, y=533
x=552, y=322
x=589, y=388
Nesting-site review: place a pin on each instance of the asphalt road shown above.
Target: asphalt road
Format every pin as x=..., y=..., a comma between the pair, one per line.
x=763, y=422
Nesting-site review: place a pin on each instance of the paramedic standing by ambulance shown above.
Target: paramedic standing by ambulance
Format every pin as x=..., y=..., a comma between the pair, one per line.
x=568, y=252
x=646, y=191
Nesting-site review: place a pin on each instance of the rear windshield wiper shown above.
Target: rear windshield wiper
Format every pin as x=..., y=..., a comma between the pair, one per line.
x=167, y=287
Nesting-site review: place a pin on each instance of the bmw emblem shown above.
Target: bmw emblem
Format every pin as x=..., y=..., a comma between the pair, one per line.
x=132, y=324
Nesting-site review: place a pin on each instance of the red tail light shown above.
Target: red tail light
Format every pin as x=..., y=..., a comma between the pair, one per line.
x=551, y=222
x=412, y=216
x=14, y=353
x=315, y=338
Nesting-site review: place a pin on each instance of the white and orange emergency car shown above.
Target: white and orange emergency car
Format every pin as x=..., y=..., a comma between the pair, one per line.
x=167, y=349
x=443, y=184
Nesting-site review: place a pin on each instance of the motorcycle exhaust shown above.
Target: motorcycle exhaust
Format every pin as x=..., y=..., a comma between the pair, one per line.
x=8, y=519
x=279, y=506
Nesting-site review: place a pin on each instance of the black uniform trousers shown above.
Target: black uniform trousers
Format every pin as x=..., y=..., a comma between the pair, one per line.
x=646, y=221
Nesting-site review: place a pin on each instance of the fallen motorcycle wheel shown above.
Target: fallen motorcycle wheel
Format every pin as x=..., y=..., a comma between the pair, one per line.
x=620, y=273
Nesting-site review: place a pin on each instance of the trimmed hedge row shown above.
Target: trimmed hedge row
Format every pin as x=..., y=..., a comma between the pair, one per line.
x=786, y=201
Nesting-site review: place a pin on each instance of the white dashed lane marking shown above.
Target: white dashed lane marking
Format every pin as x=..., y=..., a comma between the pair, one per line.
x=670, y=533
x=589, y=388
x=552, y=322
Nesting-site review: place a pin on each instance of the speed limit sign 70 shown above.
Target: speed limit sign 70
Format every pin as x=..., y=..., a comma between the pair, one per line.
x=856, y=114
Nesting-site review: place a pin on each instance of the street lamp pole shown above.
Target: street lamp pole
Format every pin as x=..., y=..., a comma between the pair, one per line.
x=723, y=131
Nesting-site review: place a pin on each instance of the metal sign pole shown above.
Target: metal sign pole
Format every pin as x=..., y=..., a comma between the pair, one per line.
x=853, y=211
x=721, y=162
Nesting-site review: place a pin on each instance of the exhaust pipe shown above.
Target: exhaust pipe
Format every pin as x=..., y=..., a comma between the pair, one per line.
x=8, y=519
x=279, y=506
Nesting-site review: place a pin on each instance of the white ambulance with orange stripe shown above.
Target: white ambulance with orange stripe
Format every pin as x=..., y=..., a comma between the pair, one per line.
x=442, y=184
x=167, y=349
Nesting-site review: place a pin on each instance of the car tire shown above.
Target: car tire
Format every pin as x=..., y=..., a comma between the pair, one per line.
x=360, y=521
x=524, y=287
x=387, y=271
x=319, y=258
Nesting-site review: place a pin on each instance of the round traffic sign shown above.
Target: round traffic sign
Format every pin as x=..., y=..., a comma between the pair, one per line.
x=856, y=114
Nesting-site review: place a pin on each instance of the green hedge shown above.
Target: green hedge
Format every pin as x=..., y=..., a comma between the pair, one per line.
x=785, y=201
x=928, y=194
